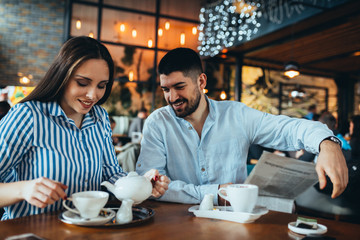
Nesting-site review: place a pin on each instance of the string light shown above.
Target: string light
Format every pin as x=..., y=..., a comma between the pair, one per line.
x=78, y=24
x=227, y=23
x=194, y=30
x=122, y=27
x=160, y=32
x=134, y=33
x=182, y=39
x=150, y=43
x=91, y=34
x=167, y=25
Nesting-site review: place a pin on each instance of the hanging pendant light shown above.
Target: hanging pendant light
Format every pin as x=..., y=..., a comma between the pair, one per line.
x=291, y=69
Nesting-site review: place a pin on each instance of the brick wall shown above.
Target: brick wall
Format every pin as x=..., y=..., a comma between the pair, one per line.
x=31, y=33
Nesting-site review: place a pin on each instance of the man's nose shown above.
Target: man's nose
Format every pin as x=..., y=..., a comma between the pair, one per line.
x=173, y=96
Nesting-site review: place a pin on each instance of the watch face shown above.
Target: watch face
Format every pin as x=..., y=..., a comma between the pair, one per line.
x=335, y=140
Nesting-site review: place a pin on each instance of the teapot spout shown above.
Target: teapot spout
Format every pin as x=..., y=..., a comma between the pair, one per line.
x=109, y=186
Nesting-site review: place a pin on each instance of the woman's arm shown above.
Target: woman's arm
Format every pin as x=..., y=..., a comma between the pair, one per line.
x=39, y=192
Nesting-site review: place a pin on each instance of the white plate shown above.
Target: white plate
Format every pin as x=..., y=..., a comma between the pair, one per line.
x=105, y=216
x=320, y=230
x=226, y=213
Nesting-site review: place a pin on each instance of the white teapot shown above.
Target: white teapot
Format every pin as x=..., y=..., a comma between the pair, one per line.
x=133, y=186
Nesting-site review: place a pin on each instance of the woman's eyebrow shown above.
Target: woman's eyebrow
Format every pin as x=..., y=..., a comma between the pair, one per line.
x=89, y=79
x=77, y=75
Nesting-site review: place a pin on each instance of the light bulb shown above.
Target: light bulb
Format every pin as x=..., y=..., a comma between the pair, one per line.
x=160, y=32
x=122, y=27
x=78, y=24
x=24, y=80
x=150, y=43
x=194, y=30
x=223, y=95
x=182, y=39
x=131, y=76
x=167, y=25
x=134, y=33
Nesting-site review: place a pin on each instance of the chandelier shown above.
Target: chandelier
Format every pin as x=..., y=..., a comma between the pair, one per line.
x=226, y=22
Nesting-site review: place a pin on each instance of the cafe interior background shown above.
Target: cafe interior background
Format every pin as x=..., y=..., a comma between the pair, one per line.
x=246, y=46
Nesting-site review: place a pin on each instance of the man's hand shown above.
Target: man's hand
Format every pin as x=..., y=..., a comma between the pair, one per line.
x=160, y=182
x=331, y=161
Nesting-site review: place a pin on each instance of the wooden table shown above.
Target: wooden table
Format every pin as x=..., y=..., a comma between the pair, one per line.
x=173, y=221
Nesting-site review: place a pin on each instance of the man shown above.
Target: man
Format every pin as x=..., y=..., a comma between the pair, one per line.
x=311, y=112
x=201, y=144
x=138, y=122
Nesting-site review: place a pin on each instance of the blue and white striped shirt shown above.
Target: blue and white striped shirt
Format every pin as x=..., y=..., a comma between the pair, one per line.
x=38, y=140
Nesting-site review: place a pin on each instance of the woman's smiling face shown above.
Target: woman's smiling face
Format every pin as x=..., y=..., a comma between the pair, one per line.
x=85, y=88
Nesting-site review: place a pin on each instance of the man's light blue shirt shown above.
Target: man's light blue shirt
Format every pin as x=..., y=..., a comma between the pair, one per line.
x=196, y=166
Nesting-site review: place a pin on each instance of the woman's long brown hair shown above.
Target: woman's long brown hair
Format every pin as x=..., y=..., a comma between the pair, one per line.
x=72, y=54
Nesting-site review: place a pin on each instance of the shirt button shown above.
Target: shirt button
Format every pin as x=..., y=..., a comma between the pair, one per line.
x=139, y=165
x=190, y=128
x=203, y=169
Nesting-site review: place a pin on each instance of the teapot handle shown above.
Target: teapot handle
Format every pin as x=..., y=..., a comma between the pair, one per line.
x=132, y=174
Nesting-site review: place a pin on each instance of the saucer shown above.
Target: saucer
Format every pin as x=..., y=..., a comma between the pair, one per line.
x=141, y=215
x=320, y=230
x=226, y=213
x=72, y=218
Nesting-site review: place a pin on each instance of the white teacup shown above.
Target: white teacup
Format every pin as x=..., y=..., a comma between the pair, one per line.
x=242, y=197
x=88, y=204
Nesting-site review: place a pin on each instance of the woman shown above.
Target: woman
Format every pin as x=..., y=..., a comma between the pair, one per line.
x=57, y=141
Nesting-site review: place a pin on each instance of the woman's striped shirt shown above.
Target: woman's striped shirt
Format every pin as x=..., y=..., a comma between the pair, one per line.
x=38, y=140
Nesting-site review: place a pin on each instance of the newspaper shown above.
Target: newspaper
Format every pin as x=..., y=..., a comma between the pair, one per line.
x=281, y=180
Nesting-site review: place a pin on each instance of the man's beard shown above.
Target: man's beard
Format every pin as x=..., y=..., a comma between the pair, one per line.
x=191, y=106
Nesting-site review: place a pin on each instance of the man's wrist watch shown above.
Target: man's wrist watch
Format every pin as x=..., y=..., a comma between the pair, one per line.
x=333, y=139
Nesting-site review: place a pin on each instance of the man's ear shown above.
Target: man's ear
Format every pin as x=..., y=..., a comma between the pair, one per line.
x=202, y=81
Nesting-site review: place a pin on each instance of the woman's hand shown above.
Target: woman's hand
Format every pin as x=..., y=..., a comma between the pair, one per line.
x=43, y=191
x=160, y=182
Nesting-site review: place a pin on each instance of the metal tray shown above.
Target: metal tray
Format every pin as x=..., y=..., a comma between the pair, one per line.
x=141, y=215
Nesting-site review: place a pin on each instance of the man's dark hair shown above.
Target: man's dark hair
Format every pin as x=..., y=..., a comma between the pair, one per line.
x=329, y=120
x=312, y=107
x=183, y=60
x=143, y=110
